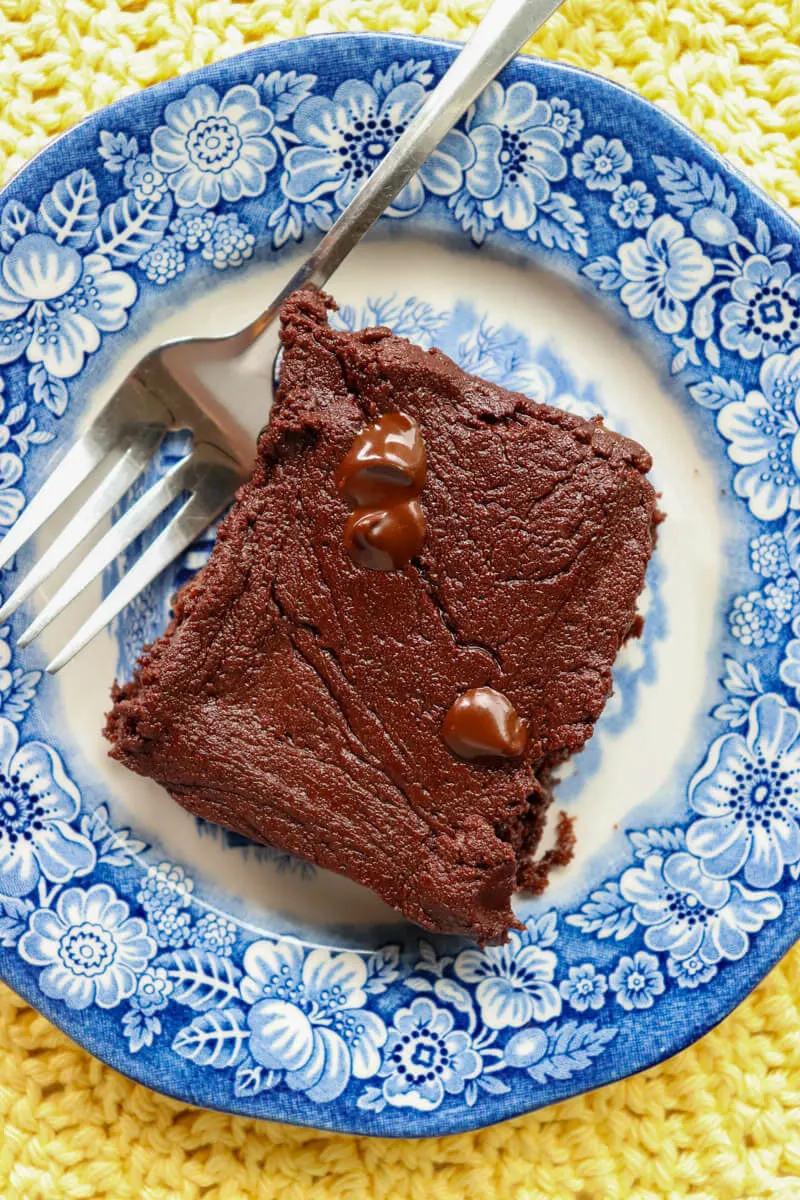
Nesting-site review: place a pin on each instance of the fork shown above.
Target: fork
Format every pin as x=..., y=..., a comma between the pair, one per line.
x=183, y=385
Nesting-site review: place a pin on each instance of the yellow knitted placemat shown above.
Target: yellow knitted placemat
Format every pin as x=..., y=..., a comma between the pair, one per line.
x=719, y=1122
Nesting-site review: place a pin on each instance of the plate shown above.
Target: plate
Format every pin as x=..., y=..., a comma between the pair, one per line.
x=570, y=241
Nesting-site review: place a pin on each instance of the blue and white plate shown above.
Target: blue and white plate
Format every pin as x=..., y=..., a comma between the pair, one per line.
x=571, y=241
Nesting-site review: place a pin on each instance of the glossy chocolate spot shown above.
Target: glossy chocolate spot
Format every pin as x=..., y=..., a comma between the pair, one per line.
x=385, y=463
x=383, y=539
x=483, y=723
x=380, y=476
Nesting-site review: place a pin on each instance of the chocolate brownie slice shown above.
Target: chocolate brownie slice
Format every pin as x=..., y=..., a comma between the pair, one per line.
x=299, y=698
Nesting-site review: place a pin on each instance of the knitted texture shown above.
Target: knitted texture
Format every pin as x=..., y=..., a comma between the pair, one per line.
x=720, y=1121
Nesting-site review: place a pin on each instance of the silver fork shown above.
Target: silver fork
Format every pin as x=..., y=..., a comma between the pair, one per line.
x=171, y=387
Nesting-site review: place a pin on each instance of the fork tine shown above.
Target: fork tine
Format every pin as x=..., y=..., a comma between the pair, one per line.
x=116, y=483
x=138, y=517
x=185, y=526
x=84, y=456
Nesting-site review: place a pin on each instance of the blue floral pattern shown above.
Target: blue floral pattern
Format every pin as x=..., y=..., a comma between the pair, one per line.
x=637, y=981
x=763, y=315
x=308, y=1020
x=663, y=270
x=690, y=972
x=514, y=982
x=601, y=163
x=515, y=154
x=211, y=148
x=748, y=796
x=343, y=139
x=38, y=805
x=90, y=948
x=164, y=896
x=686, y=913
x=142, y=178
x=96, y=923
x=633, y=205
x=55, y=303
x=585, y=987
x=162, y=262
x=426, y=1057
x=763, y=429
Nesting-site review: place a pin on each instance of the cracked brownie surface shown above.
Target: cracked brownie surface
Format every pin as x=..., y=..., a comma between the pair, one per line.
x=298, y=698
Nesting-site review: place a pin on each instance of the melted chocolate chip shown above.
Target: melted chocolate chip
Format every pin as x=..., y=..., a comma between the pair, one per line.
x=380, y=476
x=483, y=723
x=385, y=463
x=383, y=539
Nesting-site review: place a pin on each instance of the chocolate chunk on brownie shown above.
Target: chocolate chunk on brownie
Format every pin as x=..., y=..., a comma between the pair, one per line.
x=299, y=698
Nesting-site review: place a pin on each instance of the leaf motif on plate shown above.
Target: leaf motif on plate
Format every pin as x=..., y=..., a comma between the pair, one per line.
x=127, y=228
x=283, y=91
x=688, y=187
x=605, y=914
x=215, y=1039
x=69, y=213
x=571, y=1048
x=201, y=980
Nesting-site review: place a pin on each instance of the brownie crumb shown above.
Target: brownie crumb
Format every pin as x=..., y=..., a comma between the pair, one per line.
x=637, y=628
x=534, y=876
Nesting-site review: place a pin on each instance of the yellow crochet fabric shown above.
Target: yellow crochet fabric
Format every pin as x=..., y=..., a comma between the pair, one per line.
x=719, y=1122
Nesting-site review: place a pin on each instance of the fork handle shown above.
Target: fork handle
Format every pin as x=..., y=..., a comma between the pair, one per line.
x=503, y=31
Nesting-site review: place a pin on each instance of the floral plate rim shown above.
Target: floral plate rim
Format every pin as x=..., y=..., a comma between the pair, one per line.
x=404, y=1042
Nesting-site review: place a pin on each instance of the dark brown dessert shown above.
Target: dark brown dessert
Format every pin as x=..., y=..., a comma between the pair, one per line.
x=300, y=699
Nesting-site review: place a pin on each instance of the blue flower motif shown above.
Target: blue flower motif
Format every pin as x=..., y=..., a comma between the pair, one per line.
x=584, y=988
x=790, y=667
x=633, y=205
x=426, y=1058
x=687, y=913
x=664, y=269
x=144, y=179
x=164, y=261
x=152, y=991
x=214, y=933
x=748, y=796
x=636, y=981
x=212, y=149
x=192, y=229
x=764, y=314
x=230, y=244
x=516, y=153
x=309, y=1017
x=769, y=556
x=781, y=596
x=12, y=500
x=165, y=895
x=37, y=805
x=754, y=622
x=566, y=120
x=601, y=163
x=514, y=982
x=764, y=435
x=91, y=950
x=55, y=303
x=690, y=972
x=344, y=138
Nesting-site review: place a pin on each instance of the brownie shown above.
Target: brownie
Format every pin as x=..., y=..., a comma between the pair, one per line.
x=298, y=698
